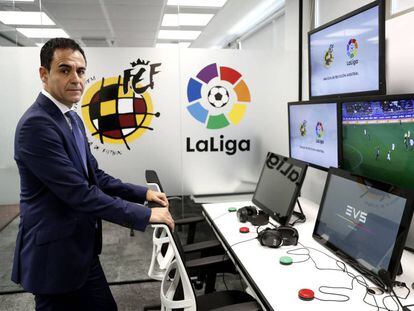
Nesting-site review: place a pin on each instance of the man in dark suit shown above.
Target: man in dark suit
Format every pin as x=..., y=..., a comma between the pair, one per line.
x=64, y=195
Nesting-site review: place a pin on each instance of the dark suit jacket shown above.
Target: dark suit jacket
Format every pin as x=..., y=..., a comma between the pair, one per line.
x=61, y=205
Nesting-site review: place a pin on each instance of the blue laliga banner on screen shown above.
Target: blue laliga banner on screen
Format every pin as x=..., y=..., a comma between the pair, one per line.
x=313, y=134
x=344, y=57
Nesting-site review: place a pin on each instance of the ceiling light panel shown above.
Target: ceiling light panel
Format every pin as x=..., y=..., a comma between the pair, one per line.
x=179, y=34
x=25, y=18
x=184, y=19
x=173, y=45
x=198, y=3
x=258, y=14
x=43, y=32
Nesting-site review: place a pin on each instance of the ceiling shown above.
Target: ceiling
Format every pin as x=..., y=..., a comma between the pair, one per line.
x=126, y=23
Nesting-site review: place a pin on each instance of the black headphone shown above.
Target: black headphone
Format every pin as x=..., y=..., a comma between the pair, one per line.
x=253, y=215
x=282, y=236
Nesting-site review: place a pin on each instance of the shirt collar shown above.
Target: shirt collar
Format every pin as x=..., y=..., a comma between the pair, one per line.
x=62, y=107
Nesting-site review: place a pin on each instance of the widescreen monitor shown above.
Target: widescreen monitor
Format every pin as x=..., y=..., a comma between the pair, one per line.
x=346, y=56
x=279, y=186
x=378, y=138
x=313, y=133
x=364, y=222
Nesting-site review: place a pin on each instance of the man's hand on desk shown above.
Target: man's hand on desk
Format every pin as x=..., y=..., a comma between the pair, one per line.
x=157, y=197
x=161, y=215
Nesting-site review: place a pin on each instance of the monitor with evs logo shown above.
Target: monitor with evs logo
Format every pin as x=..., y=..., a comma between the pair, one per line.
x=346, y=56
x=314, y=134
x=364, y=222
x=278, y=187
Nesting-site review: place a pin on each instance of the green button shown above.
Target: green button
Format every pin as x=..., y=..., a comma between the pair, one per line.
x=286, y=260
x=232, y=209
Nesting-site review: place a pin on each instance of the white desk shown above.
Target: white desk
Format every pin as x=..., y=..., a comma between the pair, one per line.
x=276, y=286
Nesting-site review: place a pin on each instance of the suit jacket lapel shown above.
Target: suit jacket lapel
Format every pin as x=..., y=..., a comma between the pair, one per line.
x=57, y=115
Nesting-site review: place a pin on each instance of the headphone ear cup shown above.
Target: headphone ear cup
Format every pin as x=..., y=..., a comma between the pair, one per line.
x=242, y=214
x=260, y=219
x=289, y=235
x=250, y=211
x=270, y=238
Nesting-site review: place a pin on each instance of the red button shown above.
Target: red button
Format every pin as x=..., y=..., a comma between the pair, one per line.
x=244, y=230
x=306, y=294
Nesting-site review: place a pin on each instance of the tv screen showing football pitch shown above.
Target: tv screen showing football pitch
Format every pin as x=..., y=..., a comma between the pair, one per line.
x=378, y=140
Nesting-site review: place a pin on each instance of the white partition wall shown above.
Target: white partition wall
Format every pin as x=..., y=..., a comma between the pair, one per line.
x=191, y=156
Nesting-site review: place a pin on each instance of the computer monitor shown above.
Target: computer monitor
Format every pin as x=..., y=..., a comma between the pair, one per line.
x=279, y=186
x=364, y=222
x=378, y=138
x=314, y=133
x=347, y=55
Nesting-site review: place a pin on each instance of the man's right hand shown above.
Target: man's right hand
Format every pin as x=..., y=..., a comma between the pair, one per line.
x=162, y=215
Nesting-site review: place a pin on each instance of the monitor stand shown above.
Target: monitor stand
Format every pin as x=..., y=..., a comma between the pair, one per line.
x=300, y=215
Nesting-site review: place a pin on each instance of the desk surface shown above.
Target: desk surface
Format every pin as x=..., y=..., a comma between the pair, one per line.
x=276, y=285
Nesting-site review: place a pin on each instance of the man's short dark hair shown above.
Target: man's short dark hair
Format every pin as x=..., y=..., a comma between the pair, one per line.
x=48, y=49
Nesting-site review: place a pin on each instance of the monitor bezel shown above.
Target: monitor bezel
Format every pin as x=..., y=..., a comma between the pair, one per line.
x=409, y=244
x=367, y=99
x=403, y=229
x=338, y=130
x=381, y=53
x=282, y=220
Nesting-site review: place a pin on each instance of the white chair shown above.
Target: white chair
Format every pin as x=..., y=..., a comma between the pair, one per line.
x=162, y=253
x=177, y=291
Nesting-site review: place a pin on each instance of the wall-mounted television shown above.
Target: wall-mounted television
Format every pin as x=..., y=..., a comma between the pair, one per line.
x=347, y=55
x=378, y=138
x=314, y=133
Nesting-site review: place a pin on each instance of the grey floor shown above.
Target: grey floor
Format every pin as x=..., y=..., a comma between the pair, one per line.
x=124, y=258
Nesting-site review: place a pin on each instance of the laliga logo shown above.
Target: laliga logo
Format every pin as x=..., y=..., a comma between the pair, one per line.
x=118, y=110
x=319, y=133
x=352, y=51
x=217, y=97
x=329, y=57
x=356, y=214
x=286, y=169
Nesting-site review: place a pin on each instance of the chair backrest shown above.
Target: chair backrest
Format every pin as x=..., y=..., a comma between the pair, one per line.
x=162, y=252
x=152, y=178
x=176, y=289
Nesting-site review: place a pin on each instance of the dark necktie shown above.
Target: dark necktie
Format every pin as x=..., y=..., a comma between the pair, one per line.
x=80, y=140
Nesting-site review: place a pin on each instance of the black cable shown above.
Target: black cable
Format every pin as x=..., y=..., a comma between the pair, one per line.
x=231, y=246
x=298, y=221
x=358, y=278
x=214, y=219
x=292, y=252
